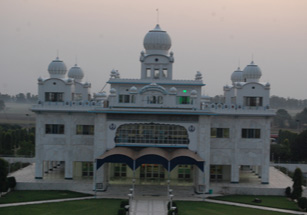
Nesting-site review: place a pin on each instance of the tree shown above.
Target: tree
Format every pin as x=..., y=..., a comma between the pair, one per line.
x=11, y=182
x=302, y=203
x=3, y=174
x=288, y=191
x=26, y=148
x=297, y=184
x=21, y=98
x=301, y=117
x=282, y=151
x=282, y=119
x=2, y=105
x=7, y=145
x=284, y=134
x=299, y=147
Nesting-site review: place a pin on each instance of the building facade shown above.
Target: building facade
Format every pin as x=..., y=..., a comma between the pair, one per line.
x=152, y=129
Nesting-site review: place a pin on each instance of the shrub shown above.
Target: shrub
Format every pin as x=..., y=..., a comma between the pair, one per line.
x=11, y=182
x=3, y=175
x=172, y=212
x=302, y=203
x=169, y=208
x=123, y=203
x=169, y=205
x=288, y=192
x=297, y=184
x=121, y=211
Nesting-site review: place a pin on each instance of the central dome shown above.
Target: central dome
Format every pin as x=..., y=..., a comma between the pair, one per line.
x=57, y=68
x=252, y=72
x=157, y=40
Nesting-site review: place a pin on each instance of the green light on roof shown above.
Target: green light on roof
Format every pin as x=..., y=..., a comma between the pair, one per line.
x=184, y=91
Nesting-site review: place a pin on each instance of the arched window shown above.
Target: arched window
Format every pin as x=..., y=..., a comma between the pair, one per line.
x=151, y=134
x=154, y=99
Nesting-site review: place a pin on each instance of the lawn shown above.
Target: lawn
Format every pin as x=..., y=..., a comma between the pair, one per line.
x=268, y=201
x=78, y=207
x=35, y=195
x=200, y=208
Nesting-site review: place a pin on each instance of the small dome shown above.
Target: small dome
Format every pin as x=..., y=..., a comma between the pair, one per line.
x=40, y=79
x=198, y=76
x=157, y=40
x=252, y=72
x=238, y=85
x=101, y=94
x=57, y=69
x=76, y=73
x=113, y=91
x=173, y=90
x=133, y=90
x=204, y=97
x=113, y=73
x=226, y=88
x=193, y=92
x=237, y=76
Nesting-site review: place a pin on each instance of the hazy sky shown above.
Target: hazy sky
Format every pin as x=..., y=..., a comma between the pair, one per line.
x=210, y=36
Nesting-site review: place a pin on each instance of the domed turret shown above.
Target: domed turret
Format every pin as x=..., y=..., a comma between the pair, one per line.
x=252, y=73
x=237, y=76
x=76, y=73
x=173, y=91
x=57, y=68
x=133, y=90
x=157, y=41
x=193, y=93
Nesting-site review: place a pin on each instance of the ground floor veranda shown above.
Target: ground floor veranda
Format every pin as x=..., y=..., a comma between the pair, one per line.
x=249, y=183
x=151, y=174
x=152, y=166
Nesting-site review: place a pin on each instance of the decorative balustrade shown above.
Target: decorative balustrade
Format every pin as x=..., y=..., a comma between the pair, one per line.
x=74, y=105
x=232, y=108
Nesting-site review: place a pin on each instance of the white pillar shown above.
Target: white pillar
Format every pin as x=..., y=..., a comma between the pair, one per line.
x=68, y=170
x=203, y=150
x=265, y=165
x=50, y=165
x=234, y=173
x=39, y=130
x=100, y=146
x=46, y=166
x=39, y=169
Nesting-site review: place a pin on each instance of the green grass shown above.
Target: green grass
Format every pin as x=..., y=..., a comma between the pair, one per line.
x=35, y=195
x=267, y=201
x=201, y=208
x=78, y=207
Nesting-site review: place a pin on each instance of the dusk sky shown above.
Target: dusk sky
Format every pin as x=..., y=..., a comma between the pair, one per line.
x=213, y=37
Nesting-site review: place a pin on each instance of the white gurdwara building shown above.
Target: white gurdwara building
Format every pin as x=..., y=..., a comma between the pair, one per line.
x=152, y=129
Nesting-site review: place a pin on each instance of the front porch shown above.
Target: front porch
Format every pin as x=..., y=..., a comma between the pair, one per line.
x=250, y=184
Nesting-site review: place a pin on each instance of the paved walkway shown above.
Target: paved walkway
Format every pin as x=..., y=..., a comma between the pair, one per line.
x=148, y=207
x=44, y=201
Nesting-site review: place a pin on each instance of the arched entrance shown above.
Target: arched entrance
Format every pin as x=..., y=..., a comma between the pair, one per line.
x=150, y=165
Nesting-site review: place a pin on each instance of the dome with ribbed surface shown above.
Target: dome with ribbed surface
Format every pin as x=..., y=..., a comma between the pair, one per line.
x=237, y=76
x=252, y=72
x=157, y=40
x=57, y=68
x=76, y=73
